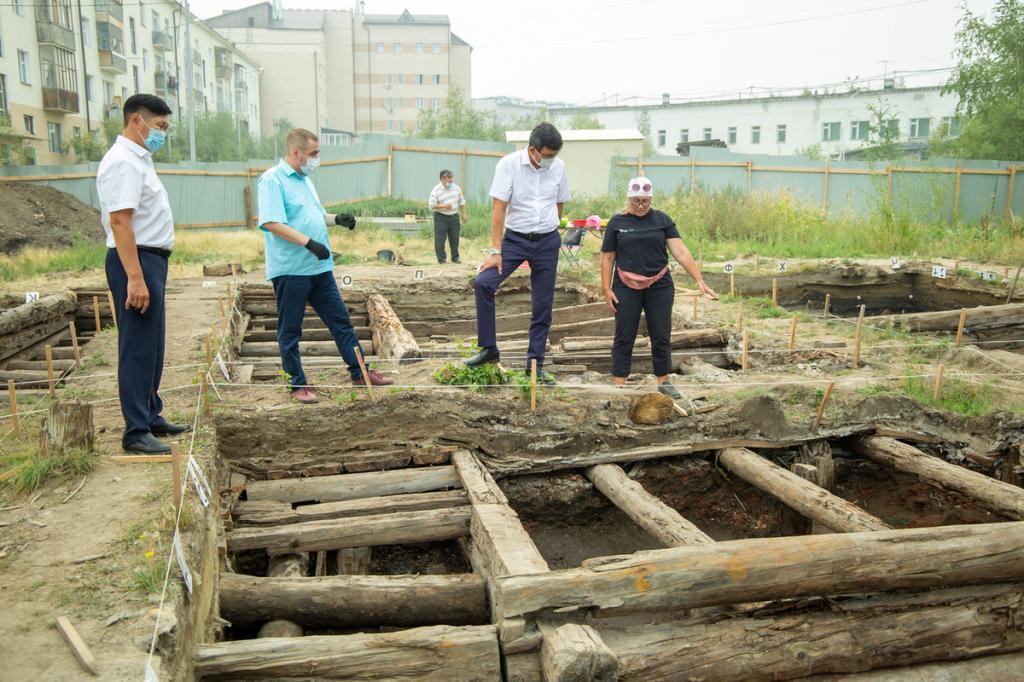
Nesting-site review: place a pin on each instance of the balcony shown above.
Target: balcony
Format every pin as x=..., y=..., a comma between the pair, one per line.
x=56, y=99
x=241, y=85
x=113, y=62
x=110, y=11
x=223, y=64
x=50, y=33
x=162, y=41
x=197, y=58
x=160, y=82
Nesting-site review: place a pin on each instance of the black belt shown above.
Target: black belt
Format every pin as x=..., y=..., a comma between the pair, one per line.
x=166, y=253
x=533, y=236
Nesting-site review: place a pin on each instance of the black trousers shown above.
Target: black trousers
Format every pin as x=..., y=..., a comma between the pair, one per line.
x=140, y=344
x=656, y=305
x=446, y=227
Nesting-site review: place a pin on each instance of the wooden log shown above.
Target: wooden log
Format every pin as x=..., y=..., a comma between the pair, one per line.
x=575, y=652
x=41, y=366
x=355, y=486
x=686, y=338
x=46, y=309
x=508, y=323
x=68, y=426
x=741, y=571
x=321, y=349
x=987, y=667
x=355, y=600
x=390, y=338
x=438, y=653
x=477, y=483
x=353, y=560
x=661, y=522
x=222, y=269
x=363, y=531
x=78, y=646
x=21, y=342
x=321, y=334
x=800, y=494
x=980, y=317
x=310, y=323
x=282, y=566
x=853, y=636
x=268, y=513
x=1002, y=498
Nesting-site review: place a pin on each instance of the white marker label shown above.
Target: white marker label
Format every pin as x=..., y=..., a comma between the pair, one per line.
x=223, y=368
x=782, y=266
x=895, y=263
x=31, y=296
x=989, y=276
x=199, y=481
x=346, y=281
x=150, y=674
x=939, y=271
x=418, y=275
x=209, y=284
x=179, y=551
x=728, y=268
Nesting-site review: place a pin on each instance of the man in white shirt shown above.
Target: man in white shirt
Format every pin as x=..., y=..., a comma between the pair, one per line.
x=140, y=234
x=529, y=189
x=445, y=201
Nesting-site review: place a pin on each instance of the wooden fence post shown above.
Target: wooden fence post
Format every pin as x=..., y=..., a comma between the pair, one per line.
x=15, y=418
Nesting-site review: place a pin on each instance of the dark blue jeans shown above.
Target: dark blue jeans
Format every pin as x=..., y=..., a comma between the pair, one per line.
x=543, y=257
x=321, y=292
x=140, y=344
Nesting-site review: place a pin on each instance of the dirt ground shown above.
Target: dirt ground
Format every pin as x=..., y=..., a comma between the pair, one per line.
x=41, y=216
x=119, y=515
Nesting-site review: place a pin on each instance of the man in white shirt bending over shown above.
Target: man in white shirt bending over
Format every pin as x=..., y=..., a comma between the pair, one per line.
x=445, y=201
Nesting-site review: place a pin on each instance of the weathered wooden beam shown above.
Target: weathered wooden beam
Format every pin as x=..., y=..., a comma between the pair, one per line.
x=509, y=323
x=805, y=497
x=319, y=334
x=362, y=531
x=980, y=317
x=437, y=653
x=390, y=338
x=355, y=600
x=323, y=349
x=573, y=652
x=354, y=486
x=271, y=513
x=43, y=310
x=685, y=338
x=985, y=667
x=741, y=571
x=662, y=522
x=1002, y=498
x=479, y=485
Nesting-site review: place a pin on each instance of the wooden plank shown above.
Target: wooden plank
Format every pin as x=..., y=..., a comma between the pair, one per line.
x=274, y=513
x=663, y=523
x=355, y=486
x=361, y=531
x=355, y=600
x=985, y=667
x=508, y=323
x=805, y=497
x=1002, y=498
x=438, y=653
x=574, y=652
x=977, y=318
x=741, y=571
x=78, y=646
x=314, y=349
x=480, y=487
x=317, y=334
x=141, y=459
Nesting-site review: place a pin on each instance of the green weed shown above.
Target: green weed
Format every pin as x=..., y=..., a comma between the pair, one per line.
x=962, y=397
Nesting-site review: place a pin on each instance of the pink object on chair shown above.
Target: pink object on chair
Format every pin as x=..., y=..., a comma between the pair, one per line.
x=593, y=221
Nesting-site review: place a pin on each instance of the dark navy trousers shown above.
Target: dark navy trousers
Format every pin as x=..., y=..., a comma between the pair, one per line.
x=140, y=344
x=321, y=292
x=543, y=257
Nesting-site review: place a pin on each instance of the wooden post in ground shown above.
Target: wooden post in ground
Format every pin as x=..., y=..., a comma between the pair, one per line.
x=775, y=291
x=821, y=407
x=205, y=391
x=74, y=344
x=15, y=419
x=96, y=313
x=828, y=300
x=113, y=308
x=175, y=478
x=223, y=317
x=856, y=339
x=365, y=374
x=1009, y=193
x=49, y=372
x=68, y=426
x=732, y=284
x=746, y=348
x=792, y=334
x=533, y=384
x=209, y=351
x=960, y=326
x=937, y=387
x=739, y=318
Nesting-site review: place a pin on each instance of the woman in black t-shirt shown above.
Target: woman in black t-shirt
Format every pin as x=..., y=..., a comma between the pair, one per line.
x=637, y=241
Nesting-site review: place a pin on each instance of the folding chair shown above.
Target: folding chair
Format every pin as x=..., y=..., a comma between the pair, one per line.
x=572, y=242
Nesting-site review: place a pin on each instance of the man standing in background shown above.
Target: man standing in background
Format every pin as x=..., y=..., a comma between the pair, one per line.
x=445, y=201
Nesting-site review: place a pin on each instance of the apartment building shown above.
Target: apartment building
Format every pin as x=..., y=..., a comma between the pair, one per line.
x=67, y=66
x=345, y=72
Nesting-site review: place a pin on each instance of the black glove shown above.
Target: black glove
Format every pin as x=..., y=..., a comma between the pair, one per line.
x=345, y=220
x=318, y=249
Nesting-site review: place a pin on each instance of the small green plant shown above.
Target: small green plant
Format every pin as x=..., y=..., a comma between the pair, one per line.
x=96, y=359
x=33, y=471
x=149, y=579
x=962, y=397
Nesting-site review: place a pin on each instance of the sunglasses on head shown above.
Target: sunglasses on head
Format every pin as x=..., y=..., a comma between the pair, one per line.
x=637, y=187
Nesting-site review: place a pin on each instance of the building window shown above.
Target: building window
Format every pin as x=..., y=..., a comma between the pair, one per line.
x=77, y=131
x=830, y=131
x=707, y=133
x=419, y=102
x=30, y=124
x=419, y=79
x=436, y=49
x=23, y=67
x=108, y=92
x=952, y=125
x=135, y=77
x=859, y=130
x=380, y=48
x=390, y=106
x=755, y=134
x=156, y=20
x=401, y=102
x=89, y=89
x=53, y=133
x=419, y=48
x=6, y=115
x=389, y=78
x=684, y=135
x=732, y=134
x=401, y=79
x=780, y=133
x=919, y=127
x=437, y=79
x=661, y=138
x=391, y=124
x=131, y=34
x=892, y=128
x=17, y=7
x=437, y=104
x=398, y=48
x=145, y=59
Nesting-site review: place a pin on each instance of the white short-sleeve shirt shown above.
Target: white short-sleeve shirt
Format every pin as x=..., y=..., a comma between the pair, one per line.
x=128, y=179
x=531, y=193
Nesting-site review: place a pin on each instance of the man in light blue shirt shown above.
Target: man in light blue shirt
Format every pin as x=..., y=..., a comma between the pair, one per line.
x=299, y=262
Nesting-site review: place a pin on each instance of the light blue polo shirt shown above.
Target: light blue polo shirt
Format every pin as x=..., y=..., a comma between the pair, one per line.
x=286, y=196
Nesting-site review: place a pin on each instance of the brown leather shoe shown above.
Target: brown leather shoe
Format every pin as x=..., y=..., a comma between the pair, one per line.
x=305, y=396
x=376, y=379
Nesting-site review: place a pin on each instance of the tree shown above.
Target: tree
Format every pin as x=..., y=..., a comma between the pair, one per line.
x=643, y=124
x=883, y=142
x=581, y=120
x=988, y=80
x=458, y=119
x=812, y=152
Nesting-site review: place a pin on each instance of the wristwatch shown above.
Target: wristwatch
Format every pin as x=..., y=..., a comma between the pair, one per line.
x=493, y=251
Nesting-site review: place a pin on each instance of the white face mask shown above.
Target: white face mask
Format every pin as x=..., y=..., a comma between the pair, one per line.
x=312, y=163
x=547, y=163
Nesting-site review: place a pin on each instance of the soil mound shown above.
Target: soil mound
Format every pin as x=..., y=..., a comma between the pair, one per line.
x=41, y=216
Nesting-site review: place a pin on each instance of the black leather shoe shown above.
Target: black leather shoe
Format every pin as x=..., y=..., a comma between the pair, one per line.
x=148, y=445
x=169, y=429
x=546, y=378
x=484, y=357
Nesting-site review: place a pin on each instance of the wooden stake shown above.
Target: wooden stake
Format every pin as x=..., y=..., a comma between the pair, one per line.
x=746, y=347
x=205, y=390
x=223, y=317
x=856, y=340
x=49, y=372
x=176, y=477
x=695, y=307
x=821, y=406
x=15, y=419
x=366, y=375
x=739, y=321
x=113, y=308
x=209, y=351
x=828, y=301
x=960, y=326
x=533, y=384
x=96, y=312
x=937, y=389
x=234, y=271
x=77, y=644
x=775, y=290
x=74, y=344
x=732, y=284
x=792, y=335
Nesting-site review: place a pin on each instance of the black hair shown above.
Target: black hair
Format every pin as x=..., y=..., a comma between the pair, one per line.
x=445, y=173
x=546, y=135
x=145, y=103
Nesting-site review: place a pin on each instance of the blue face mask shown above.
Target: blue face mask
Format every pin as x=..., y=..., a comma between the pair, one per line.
x=155, y=140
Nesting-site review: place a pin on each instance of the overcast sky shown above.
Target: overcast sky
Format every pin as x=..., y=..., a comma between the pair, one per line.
x=583, y=51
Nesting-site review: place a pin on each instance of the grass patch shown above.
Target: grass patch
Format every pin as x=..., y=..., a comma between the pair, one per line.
x=479, y=378
x=962, y=397
x=32, y=471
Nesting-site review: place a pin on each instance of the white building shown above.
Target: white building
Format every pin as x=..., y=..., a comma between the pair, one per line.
x=510, y=110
